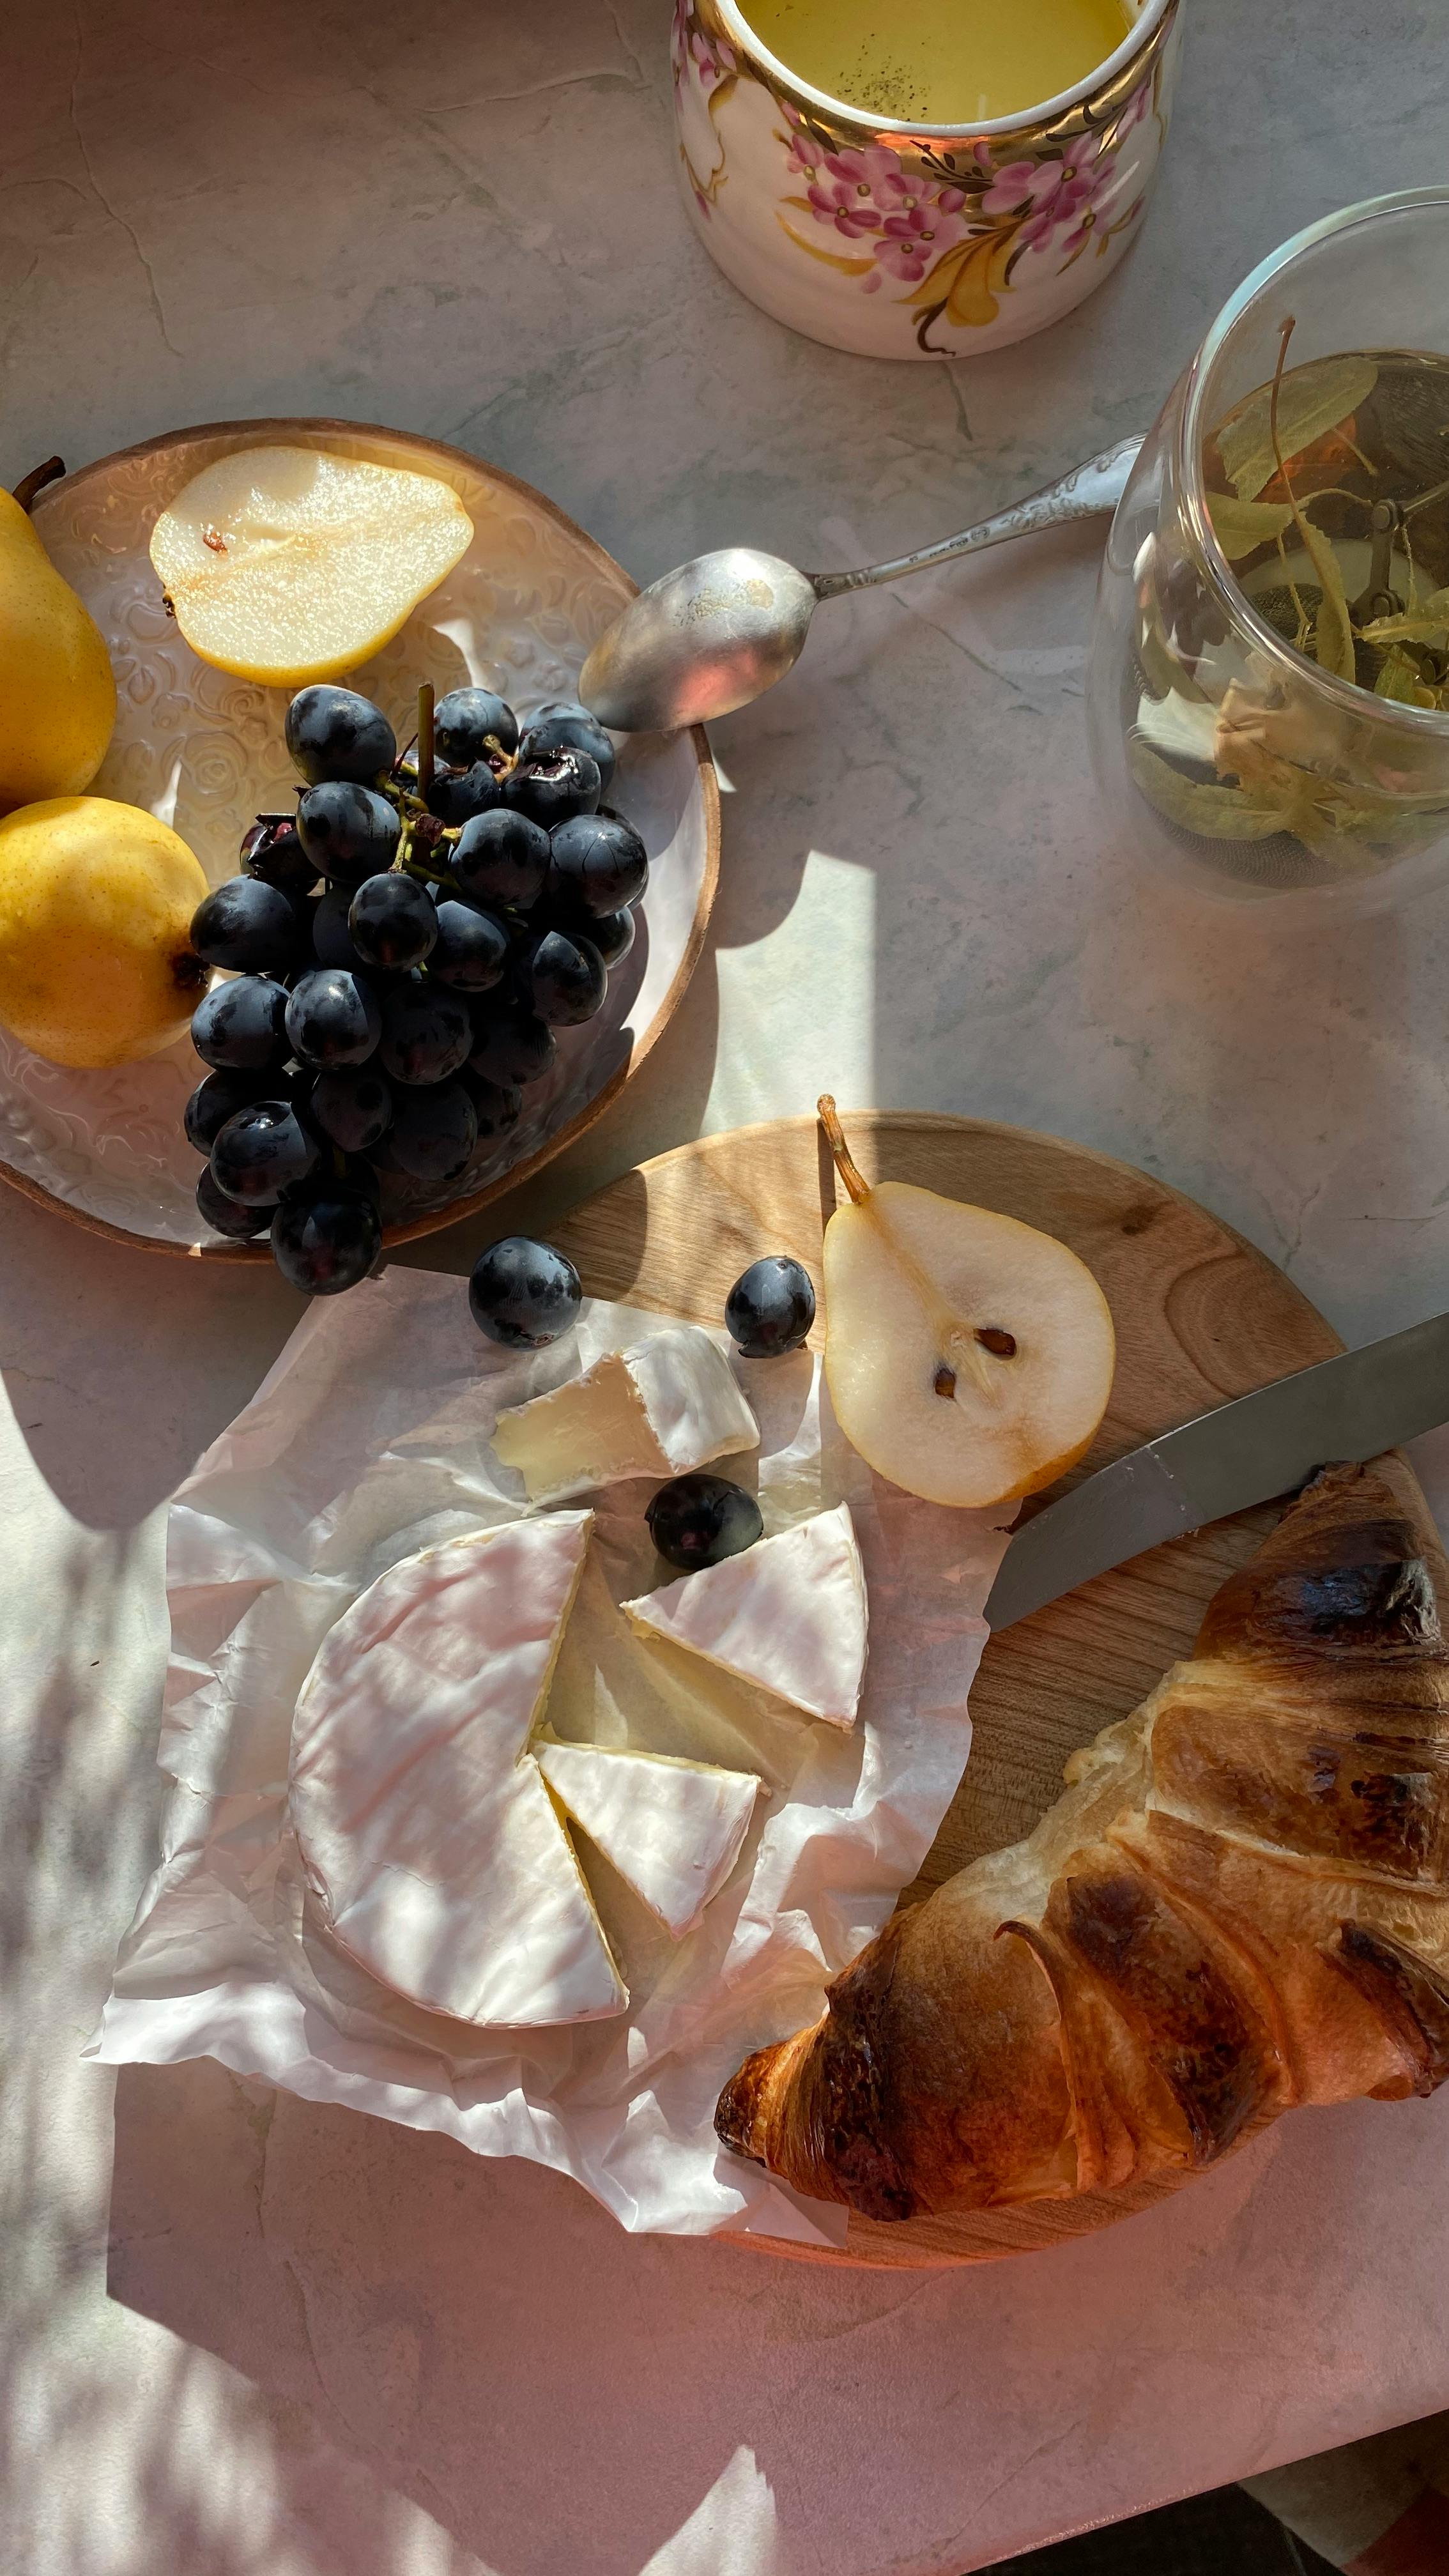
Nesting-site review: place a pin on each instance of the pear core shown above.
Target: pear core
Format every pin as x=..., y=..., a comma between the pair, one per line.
x=969, y=1357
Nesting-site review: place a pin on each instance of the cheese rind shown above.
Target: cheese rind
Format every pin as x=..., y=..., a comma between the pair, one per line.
x=423, y=1820
x=666, y=1406
x=789, y=1613
x=671, y=1828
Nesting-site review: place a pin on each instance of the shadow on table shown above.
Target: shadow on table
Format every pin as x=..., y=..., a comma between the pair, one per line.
x=455, y=2325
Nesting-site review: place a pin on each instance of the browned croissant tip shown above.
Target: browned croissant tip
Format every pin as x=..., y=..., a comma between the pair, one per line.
x=1241, y=1902
x=737, y=2110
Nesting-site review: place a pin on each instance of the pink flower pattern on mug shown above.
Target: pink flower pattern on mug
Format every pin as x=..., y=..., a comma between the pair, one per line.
x=948, y=227
x=692, y=48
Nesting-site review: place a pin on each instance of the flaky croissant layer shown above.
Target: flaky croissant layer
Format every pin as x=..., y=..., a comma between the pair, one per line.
x=1241, y=1902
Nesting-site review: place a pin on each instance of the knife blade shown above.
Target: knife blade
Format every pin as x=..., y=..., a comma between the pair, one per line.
x=1262, y=1444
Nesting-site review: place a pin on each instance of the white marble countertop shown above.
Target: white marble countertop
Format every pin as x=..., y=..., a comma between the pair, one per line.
x=328, y=2347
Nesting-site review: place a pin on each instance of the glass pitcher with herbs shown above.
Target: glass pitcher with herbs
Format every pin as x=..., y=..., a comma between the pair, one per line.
x=1269, y=684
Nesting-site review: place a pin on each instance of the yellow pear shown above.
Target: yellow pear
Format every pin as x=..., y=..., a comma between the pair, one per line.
x=96, y=900
x=57, y=695
x=969, y=1357
x=287, y=564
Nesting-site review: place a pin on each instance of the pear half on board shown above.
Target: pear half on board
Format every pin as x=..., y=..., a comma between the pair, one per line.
x=969, y=1357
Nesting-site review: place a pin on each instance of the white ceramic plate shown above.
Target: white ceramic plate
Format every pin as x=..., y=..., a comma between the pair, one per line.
x=205, y=751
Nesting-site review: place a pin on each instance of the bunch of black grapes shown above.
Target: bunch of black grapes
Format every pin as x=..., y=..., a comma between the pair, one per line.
x=402, y=949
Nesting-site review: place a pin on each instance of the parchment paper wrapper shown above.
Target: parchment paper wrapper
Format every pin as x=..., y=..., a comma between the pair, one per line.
x=371, y=1438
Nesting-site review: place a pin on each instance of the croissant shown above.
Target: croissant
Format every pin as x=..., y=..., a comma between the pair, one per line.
x=1238, y=1904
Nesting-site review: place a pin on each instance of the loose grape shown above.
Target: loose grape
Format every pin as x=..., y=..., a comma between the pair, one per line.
x=771, y=1307
x=523, y=1294
x=699, y=1520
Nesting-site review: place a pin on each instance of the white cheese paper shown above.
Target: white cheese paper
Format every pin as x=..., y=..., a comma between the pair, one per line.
x=369, y=1439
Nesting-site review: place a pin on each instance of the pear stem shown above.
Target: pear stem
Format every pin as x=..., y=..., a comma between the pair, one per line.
x=31, y=485
x=829, y=1117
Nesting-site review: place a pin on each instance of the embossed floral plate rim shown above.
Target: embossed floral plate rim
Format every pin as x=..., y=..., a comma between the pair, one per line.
x=438, y=456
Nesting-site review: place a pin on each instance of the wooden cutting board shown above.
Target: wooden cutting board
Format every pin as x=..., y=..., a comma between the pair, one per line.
x=1200, y=1316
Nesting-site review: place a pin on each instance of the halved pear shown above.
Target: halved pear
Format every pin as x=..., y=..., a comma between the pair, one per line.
x=287, y=564
x=969, y=1357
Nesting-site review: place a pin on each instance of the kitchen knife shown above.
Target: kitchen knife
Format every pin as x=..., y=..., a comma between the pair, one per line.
x=1262, y=1444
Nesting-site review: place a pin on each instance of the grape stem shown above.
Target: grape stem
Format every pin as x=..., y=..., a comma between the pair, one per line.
x=425, y=737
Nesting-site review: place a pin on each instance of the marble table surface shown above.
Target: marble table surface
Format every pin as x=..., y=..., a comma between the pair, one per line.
x=245, y=2336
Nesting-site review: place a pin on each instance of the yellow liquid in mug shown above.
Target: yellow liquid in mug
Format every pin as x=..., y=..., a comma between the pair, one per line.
x=941, y=62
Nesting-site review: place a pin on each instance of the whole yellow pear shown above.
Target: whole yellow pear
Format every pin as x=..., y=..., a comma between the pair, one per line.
x=57, y=692
x=96, y=961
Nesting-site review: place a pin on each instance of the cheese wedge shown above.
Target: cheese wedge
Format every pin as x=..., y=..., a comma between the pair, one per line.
x=423, y=1820
x=672, y=1829
x=663, y=1408
x=789, y=1612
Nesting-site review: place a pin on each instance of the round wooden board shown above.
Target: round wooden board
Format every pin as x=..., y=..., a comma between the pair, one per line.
x=1200, y=1315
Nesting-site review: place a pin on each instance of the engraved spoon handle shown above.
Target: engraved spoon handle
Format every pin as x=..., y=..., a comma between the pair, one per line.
x=1086, y=493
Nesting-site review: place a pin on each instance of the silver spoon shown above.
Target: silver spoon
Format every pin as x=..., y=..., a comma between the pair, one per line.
x=719, y=631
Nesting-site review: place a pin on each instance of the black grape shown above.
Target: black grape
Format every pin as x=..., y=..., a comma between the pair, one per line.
x=348, y=832
x=242, y=1025
x=427, y=1033
x=250, y=925
x=597, y=863
x=215, y=1100
x=472, y=948
x=393, y=921
x=433, y=1132
x=502, y=858
x=352, y=1106
x=326, y=1237
x=334, y=733
x=260, y=1152
x=567, y=978
x=333, y=1018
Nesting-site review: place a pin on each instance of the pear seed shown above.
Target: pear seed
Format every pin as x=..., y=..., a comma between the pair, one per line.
x=1002, y=1346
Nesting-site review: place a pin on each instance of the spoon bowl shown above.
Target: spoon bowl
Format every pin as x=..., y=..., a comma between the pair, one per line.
x=700, y=641
x=720, y=630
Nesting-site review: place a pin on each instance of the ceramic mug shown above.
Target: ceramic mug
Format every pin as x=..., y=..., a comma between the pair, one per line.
x=914, y=241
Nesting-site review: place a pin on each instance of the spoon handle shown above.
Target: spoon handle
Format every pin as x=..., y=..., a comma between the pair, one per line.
x=1086, y=493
